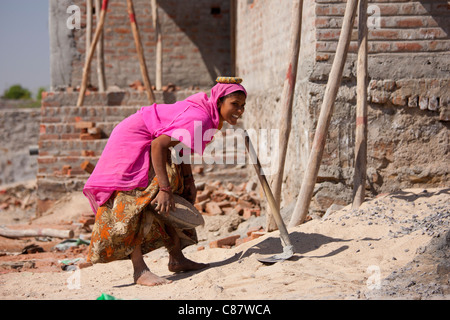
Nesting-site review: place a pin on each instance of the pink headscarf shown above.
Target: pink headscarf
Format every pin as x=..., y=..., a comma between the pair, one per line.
x=210, y=104
x=125, y=161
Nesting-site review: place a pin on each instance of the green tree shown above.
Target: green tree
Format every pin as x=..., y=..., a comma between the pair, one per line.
x=16, y=92
x=39, y=93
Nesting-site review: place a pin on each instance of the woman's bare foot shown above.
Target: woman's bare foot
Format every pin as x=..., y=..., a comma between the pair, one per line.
x=142, y=274
x=180, y=263
x=147, y=278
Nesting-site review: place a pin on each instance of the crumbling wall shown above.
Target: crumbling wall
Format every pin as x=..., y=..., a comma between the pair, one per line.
x=408, y=93
x=19, y=130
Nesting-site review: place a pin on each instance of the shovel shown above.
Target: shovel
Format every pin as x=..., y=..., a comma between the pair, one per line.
x=288, y=249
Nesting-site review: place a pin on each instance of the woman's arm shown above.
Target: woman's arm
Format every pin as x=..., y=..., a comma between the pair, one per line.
x=159, y=151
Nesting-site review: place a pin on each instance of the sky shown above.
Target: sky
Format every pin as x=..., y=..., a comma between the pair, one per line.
x=24, y=44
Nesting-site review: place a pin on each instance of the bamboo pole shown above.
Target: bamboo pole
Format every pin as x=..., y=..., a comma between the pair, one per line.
x=286, y=105
x=334, y=81
x=140, y=52
x=91, y=53
x=157, y=27
x=88, y=29
x=100, y=53
x=359, y=184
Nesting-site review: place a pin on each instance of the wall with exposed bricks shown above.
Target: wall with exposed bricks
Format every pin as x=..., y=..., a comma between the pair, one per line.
x=408, y=94
x=195, y=37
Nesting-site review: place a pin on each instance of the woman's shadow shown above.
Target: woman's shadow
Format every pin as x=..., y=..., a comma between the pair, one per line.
x=302, y=243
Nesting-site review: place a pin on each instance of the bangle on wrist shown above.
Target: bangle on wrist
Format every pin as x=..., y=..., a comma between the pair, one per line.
x=166, y=189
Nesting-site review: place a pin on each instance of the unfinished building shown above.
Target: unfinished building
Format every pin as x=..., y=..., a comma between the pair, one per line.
x=408, y=89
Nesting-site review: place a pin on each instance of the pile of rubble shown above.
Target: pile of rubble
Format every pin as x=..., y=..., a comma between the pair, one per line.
x=239, y=203
x=18, y=197
x=219, y=199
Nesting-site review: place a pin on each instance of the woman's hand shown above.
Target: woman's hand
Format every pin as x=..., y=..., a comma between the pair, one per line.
x=164, y=202
x=159, y=151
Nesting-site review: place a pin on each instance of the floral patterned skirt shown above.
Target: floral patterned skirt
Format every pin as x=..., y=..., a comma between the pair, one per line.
x=127, y=220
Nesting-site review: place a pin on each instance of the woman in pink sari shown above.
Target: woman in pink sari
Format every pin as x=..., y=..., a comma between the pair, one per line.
x=134, y=171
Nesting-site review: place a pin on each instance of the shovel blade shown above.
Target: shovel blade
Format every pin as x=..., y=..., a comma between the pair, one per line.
x=288, y=252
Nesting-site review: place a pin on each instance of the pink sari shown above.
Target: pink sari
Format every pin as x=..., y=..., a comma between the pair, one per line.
x=125, y=161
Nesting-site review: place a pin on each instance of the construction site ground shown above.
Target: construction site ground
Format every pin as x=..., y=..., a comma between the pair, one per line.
x=395, y=246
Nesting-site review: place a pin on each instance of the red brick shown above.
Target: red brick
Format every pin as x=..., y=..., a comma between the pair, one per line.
x=324, y=57
x=204, y=195
x=42, y=160
x=88, y=153
x=213, y=208
x=399, y=100
x=410, y=22
x=228, y=241
x=254, y=229
x=244, y=203
x=70, y=136
x=256, y=235
x=84, y=125
x=407, y=47
x=242, y=240
x=122, y=30
x=248, y=212
x=46, y=136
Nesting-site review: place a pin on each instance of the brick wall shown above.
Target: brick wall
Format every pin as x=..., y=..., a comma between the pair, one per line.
x=417, y=30
x=196, y=43
x=409, y=92
x=395, y=26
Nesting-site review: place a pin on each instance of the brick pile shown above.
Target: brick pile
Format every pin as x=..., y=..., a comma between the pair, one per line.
x=218, y=198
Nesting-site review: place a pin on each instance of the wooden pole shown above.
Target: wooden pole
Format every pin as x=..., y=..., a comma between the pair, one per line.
x=233, y=26
x=91, y=53
x=334, y=81
x=140, y=52
x=100, y=53
x=88, y=29
x=286, y=105
x=157, y=27
x=359, y=183
x=46, y=232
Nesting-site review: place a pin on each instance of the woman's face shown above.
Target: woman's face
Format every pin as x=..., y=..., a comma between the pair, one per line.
x=232, y=108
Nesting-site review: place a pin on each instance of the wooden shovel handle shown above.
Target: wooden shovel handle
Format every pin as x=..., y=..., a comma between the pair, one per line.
x=267, y=191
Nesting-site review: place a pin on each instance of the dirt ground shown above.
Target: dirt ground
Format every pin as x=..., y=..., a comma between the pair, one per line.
x=396, y=246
